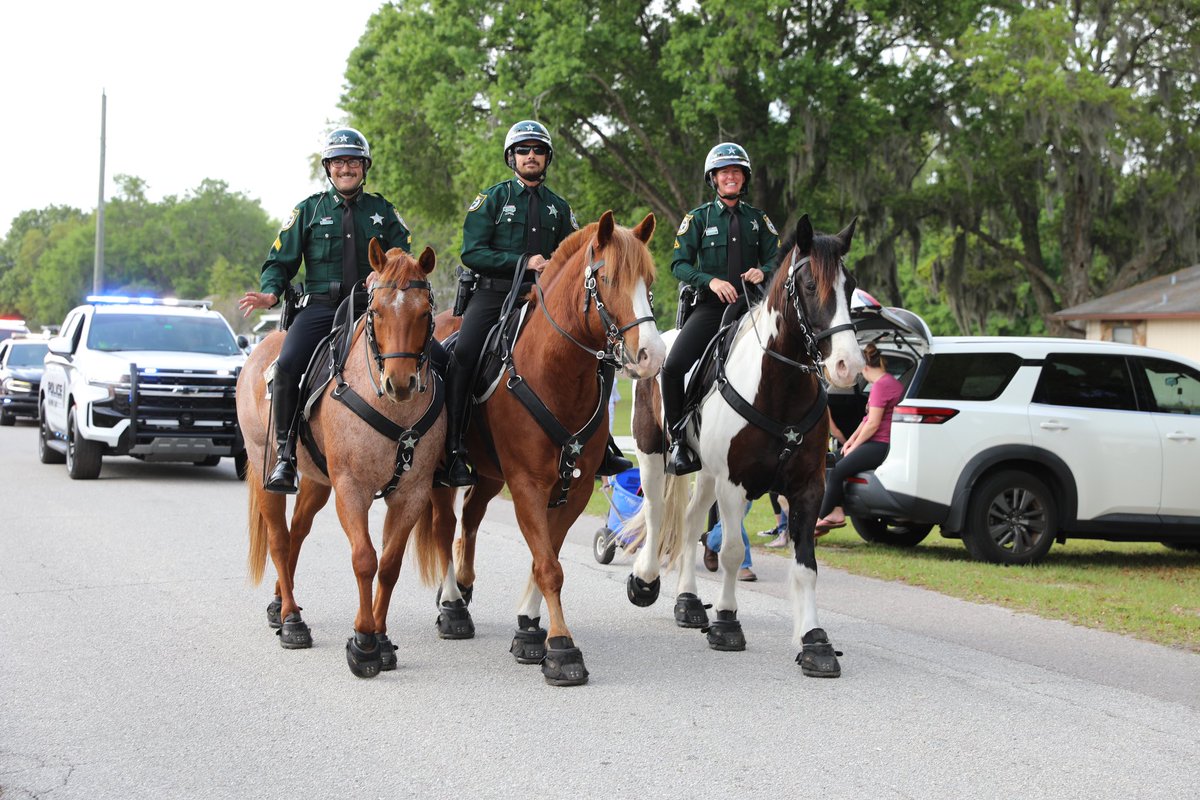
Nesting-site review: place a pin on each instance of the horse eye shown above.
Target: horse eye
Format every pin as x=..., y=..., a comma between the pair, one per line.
x=810, y=287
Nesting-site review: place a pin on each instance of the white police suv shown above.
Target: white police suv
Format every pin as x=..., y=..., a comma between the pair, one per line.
x=153, y=379
x=1013, y=443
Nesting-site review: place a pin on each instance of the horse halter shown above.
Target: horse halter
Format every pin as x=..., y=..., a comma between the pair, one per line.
x=616, y=351
x=421, y=357
x=811, y=340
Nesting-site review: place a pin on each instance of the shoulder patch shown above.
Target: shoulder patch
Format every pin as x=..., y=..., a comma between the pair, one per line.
x=770, y=226
x=477, y=202
x=574, y=223
x=683, y=226
x=290, y=220
x=399, y=218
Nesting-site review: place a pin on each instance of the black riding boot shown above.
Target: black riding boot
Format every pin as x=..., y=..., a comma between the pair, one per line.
x=285, y=396
x=458, y=397
x=615, y=461
x=682, y=459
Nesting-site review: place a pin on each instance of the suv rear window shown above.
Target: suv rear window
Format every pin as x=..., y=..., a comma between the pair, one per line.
x=965, y=376
x=1086, y=381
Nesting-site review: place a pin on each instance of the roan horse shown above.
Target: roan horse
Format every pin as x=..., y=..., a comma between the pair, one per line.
x=763, y=426
x=590, y=315
x=387, y=372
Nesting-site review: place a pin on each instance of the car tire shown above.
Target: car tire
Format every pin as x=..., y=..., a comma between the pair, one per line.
x=1186, y=547
x=208, y=461
x=241, y=462
x=882, y=530
x=1011, y=519
x=46, y=453
x=7, y=418
x=83, y=455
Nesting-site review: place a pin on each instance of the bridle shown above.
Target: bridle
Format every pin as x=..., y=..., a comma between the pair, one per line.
x=372, y=343
x=616, y=350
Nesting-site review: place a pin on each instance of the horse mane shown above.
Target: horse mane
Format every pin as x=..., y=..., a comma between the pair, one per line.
x=824, y=263
x=623, y=247
x=397, y=264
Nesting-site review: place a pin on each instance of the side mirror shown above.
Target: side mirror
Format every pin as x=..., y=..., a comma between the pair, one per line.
x=60, y=346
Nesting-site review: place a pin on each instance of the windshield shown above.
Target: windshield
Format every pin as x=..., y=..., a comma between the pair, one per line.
x=26, y=355
x=112, y=332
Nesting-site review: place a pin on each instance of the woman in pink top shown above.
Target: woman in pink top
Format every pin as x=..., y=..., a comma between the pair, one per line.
x=868, y=446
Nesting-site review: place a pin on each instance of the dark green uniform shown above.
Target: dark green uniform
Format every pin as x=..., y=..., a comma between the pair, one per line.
x=702, y=243
x=313, y=234
x=494, y=232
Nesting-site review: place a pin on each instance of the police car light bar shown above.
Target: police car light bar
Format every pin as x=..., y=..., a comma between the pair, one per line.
x=119, y=299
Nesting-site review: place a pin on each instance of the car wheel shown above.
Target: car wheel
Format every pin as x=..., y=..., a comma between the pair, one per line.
x=1011, y=519
x=241, y=461
x=208, y=461
x=46, y=453
x=7, y=418
x=83, y=456
x=1187, y=547
x=881, y=530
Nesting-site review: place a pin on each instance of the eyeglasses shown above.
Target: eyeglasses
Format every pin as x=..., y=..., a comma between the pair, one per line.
x=346, y=162
x=537, y=149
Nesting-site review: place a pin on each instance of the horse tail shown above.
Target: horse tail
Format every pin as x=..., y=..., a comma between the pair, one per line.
x=256, y=560
x=431, y=556
x=674, y=535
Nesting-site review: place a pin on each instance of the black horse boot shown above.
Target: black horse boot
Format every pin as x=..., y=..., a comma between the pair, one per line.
x=615, y=461
x=458, y=396
x=681, y=459
x=285, y=397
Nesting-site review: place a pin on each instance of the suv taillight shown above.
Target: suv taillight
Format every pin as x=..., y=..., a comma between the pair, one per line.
x=923, y=416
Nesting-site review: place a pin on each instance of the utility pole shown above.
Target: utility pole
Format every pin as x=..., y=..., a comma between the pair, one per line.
x=98, y=266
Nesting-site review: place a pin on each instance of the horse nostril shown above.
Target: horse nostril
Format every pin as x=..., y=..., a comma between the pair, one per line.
x=643, y=355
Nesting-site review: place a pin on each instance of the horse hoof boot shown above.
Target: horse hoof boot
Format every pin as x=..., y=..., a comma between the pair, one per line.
x=641, y=593
x=725, y=633
x=387, y=653
x=690, y=612
x=293, y=633
x=563, y=664
x=362, y=654
x=274, y=612
x=465, y=591
x=529, y=641
x=817, y=658
x=454, y=621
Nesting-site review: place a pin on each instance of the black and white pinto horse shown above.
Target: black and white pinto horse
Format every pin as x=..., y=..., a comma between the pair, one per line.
x=762, y=424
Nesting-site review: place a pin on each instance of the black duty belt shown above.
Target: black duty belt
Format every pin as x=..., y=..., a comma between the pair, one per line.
x=500, y=285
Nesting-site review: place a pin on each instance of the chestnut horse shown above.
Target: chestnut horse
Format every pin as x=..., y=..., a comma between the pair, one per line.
x=763, y=425
x=388, y=371
x=590, y=314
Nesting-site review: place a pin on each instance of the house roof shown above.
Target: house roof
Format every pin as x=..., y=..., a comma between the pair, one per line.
x=1173, y=296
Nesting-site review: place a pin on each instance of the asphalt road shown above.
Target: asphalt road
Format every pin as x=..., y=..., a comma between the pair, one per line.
x=135, y=662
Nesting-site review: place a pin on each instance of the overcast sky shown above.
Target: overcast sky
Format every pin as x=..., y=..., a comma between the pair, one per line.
x=237, y=91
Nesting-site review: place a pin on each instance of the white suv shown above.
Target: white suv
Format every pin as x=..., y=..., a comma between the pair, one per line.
x=153, y=379
x=1012, y=443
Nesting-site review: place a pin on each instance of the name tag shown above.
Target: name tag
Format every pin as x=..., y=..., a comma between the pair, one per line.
x=509, y=210
x=326, y=221
x=711, y=231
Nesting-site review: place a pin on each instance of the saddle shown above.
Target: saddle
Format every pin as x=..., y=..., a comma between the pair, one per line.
x=500, y=339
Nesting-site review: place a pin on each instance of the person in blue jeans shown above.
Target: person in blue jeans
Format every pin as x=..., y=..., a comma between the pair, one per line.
x=712, y=545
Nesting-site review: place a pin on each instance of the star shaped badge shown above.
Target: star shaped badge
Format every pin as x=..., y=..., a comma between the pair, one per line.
x=409, y=442
x=792, y=436
x=378, y=220
x=575, y=447
x=343, y=139
x=553, y=210
x=754, y=224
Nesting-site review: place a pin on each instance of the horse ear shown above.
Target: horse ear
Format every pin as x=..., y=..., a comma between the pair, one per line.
x=645, y=229
x=427, y=260
x=846, y=235
x=804, y=234
x=375, y=255
x=606, y=229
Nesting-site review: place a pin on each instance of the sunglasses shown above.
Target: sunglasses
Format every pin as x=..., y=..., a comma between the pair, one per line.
x=537, y=150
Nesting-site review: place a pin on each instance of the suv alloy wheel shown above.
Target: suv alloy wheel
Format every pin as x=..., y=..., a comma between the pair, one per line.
x=1011, y=519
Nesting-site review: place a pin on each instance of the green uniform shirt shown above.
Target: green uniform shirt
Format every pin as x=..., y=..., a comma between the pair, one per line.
x=494, y=231
x=314, y=234
x=701, y=243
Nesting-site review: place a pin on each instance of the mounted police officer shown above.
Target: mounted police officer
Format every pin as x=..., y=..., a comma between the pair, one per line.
x=718, y=246
x=329, y=232
x=514, y=218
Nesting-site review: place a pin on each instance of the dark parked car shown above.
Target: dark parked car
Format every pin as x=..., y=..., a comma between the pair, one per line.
x=20, y=377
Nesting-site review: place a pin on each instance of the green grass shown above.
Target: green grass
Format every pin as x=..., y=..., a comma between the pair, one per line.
x=1135, y=589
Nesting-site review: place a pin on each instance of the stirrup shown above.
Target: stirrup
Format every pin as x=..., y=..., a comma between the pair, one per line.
x=682, y=460
x=282, y=479
x=614, y=462
x=459, y=472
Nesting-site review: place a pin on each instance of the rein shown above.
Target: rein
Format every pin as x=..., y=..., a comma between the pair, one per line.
x=615, y=354
x=373, y=344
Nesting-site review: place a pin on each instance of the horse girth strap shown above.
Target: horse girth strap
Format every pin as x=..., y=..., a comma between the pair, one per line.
x=406, y=439
x=570, y=444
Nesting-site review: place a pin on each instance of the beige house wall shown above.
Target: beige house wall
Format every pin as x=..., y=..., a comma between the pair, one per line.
x=1179, y=336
